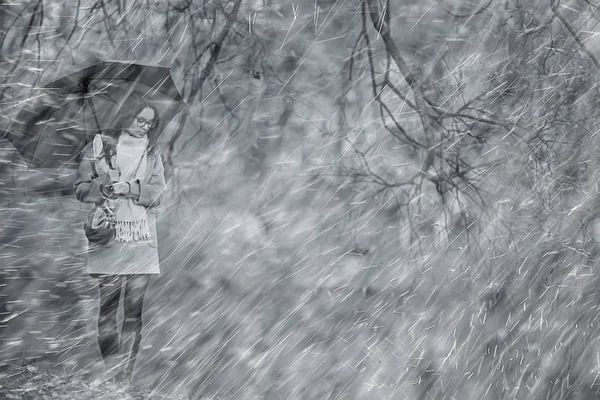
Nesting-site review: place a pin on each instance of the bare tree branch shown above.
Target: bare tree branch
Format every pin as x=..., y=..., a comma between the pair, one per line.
x=422, y=108
x=479, y=9
x=35, y=14
x=217, y=45
x=580, y=42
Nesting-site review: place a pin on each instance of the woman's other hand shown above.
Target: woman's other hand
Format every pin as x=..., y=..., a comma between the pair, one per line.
x=121, y=188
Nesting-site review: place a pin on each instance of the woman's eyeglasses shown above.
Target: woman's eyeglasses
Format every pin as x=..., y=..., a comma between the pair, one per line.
x=142, y=122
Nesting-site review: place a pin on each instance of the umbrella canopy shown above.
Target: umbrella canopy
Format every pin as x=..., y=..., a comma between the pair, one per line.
x=64, y=115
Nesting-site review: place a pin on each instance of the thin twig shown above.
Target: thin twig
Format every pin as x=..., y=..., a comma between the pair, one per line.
x=580, y=42
x=421, y=106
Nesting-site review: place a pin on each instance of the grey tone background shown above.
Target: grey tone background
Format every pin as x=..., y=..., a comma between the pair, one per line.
x=368, y=200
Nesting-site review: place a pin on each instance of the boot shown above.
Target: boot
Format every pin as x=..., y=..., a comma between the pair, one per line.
x=129, y=349
x=115, y=368
x=113, y=360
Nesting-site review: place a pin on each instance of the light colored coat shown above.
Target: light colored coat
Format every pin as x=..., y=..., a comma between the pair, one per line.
x=123, y=258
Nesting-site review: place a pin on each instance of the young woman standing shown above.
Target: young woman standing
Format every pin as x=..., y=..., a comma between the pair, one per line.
x=124, y=168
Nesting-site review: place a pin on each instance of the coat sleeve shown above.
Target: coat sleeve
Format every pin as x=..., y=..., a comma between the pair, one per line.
x=151, y=191
x=87, y=184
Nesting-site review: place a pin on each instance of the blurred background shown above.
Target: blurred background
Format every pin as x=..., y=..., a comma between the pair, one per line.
x=366, y=199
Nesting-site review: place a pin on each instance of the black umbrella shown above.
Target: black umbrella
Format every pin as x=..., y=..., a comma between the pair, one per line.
x=65, y=114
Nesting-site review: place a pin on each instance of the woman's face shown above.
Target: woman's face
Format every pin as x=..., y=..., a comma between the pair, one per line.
x=142, y=123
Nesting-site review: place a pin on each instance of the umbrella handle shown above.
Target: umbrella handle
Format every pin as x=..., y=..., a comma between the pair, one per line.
x=91, y=101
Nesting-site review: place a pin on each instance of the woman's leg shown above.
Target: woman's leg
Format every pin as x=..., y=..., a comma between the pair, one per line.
x=108, y=335
x=135, y=289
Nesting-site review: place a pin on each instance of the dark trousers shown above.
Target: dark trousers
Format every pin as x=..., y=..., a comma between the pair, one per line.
x=119, y=354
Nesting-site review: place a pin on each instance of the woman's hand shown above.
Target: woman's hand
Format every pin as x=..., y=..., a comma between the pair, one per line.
x=121, y=188
x=113, y=175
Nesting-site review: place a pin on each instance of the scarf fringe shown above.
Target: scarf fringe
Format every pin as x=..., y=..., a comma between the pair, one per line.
x=128, y=231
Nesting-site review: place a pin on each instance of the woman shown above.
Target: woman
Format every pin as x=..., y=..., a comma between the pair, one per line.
x=124, y=168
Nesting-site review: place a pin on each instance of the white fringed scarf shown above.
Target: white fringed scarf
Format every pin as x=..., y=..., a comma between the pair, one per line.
x=131, y=160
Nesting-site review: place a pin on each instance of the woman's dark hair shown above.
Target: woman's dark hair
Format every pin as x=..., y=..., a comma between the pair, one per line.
x=128, y=111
